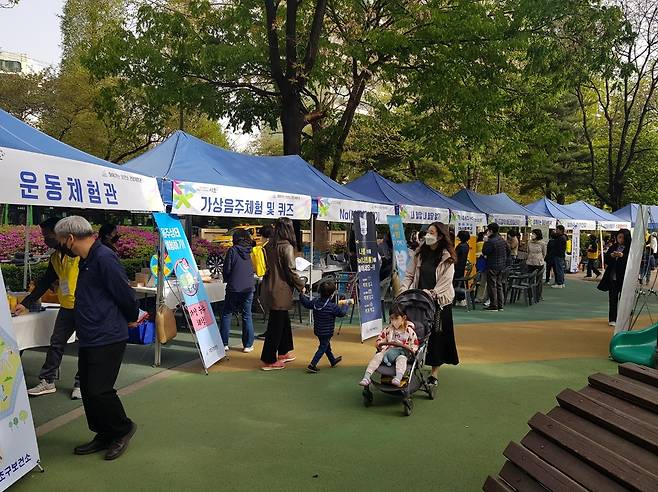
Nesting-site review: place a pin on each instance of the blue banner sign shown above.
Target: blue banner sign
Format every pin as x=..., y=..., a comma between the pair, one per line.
x=370, y=300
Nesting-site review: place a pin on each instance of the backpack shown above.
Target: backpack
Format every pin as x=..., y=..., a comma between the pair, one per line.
x=258, y=260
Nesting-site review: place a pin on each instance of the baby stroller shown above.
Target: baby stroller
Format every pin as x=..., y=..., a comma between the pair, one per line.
x=420, y=309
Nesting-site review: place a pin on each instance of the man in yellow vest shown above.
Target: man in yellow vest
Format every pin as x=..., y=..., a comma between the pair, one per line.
x=64, y=270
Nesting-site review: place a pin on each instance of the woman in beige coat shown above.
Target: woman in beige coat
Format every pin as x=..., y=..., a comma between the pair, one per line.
x=277, y=290
x=432, y=270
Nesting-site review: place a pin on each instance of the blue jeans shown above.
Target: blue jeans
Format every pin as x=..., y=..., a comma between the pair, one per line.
x=559, y=265
x=238, y=302
x=324, y=348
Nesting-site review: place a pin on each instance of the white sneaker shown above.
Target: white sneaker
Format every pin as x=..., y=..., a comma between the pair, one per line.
x=43, y=388
x=462, y=303
x=226, y=348
x=487, y=303
x=612, y=323
x=76, y=394
x=557, y=286
x=246, y=350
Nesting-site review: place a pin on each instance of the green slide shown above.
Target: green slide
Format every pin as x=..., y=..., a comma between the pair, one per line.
x=637, y=346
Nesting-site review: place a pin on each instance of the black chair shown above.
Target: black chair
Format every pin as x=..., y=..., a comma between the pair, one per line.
x=467, y=286
x=523, y=284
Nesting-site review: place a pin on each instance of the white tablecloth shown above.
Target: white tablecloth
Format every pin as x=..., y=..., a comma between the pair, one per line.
x=35, y=329
x=216, y=292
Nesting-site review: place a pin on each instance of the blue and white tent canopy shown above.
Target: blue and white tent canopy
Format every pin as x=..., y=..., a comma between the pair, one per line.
x=201, y=179
x=604, y=220
x=564, y=216
x=412, y=209
x=40, y=170
x=503, y=210
x=629, y=214
x=462, y=216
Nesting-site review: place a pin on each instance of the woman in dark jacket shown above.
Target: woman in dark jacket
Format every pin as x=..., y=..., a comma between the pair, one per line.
x=109, y=236
x=550, y=257
x=616, y=259
x=238, y=273
x=278, y=284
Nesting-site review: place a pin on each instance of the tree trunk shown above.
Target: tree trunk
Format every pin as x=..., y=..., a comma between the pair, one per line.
x=292, y=124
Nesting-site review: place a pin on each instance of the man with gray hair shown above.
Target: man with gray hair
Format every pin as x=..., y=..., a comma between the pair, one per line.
x=104, y=306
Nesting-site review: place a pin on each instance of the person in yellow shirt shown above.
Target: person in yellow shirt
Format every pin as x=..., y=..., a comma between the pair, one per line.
x=63, y=270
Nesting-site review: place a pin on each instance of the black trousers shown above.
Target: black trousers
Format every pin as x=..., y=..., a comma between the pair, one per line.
x=495, y=287
x=278, y=337
x=591, y=267
x=99, y=368
x=64, y=328
x=613, y=301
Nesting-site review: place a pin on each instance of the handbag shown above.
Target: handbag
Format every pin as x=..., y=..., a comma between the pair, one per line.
x=142, y=334
x=165, y=324
x=436, y=326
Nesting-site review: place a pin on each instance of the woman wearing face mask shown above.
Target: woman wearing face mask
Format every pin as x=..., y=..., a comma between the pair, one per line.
x=109, y=235
x=616, y=259
x=432, y=270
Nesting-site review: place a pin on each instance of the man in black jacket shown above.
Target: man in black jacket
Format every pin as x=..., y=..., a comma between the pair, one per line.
x=104, y=305
x=497, y=252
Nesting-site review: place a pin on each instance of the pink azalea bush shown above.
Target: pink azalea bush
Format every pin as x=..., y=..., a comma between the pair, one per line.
x=134, y=243
x=12, y=241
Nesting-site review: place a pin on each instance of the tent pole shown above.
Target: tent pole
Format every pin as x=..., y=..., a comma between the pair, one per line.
x=159, y=296
x=310, y=275
x=601, y=248
x=26, y=252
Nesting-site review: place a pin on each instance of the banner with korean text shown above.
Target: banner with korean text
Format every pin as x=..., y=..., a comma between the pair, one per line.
x=370, y=299
x=467, y=221
x=400, y=249
x=192, y=289
x=413, y=214
x=30, y=178
x=231, y=201
x=18, y=441
x=336, y=210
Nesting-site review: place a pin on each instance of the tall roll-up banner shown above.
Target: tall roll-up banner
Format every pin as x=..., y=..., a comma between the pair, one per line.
x=18, y=440
x=370, y=299
x=627, y=301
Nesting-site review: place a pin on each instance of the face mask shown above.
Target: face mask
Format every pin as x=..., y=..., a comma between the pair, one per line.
x=115, y=239
x=51, y=242
x=533, y=236
x=67, y=251
x=430, y=239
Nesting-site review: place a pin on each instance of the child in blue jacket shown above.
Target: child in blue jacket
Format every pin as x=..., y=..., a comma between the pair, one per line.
x=325, y=312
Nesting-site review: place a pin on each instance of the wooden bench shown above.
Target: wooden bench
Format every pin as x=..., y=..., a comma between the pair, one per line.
x=603, y=437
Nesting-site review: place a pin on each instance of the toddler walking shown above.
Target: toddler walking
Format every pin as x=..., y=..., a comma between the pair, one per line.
x=390, y=346
x=325, y=312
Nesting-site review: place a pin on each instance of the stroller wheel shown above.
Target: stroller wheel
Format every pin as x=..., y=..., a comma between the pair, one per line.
x=408, y=406
x=367, y=397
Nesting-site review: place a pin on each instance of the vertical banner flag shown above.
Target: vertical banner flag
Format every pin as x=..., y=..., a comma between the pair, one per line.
x=400, y=250
x=370, y=303
x=190, y=284
x=18, y=440
x=575, y=250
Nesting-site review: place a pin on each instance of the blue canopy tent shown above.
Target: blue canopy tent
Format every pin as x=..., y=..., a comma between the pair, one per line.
x=604, y=220
x=502, y=209
x=564, y=216
x=629, y=214
x=189, y=167
x=414, y=210
x=40, y=170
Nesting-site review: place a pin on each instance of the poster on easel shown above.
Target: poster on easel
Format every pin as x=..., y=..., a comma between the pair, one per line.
x=19, y=453
x=197, y=305
x=370, y=299
x=575, y=250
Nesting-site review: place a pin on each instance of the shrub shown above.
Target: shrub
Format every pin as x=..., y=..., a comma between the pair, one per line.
x=13, y=274
x=12, y=241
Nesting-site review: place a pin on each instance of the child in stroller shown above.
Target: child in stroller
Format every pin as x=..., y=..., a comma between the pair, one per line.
x=393, y=345
x=403, y=345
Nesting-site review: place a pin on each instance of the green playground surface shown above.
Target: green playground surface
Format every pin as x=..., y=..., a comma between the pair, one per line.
x=287, y=430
